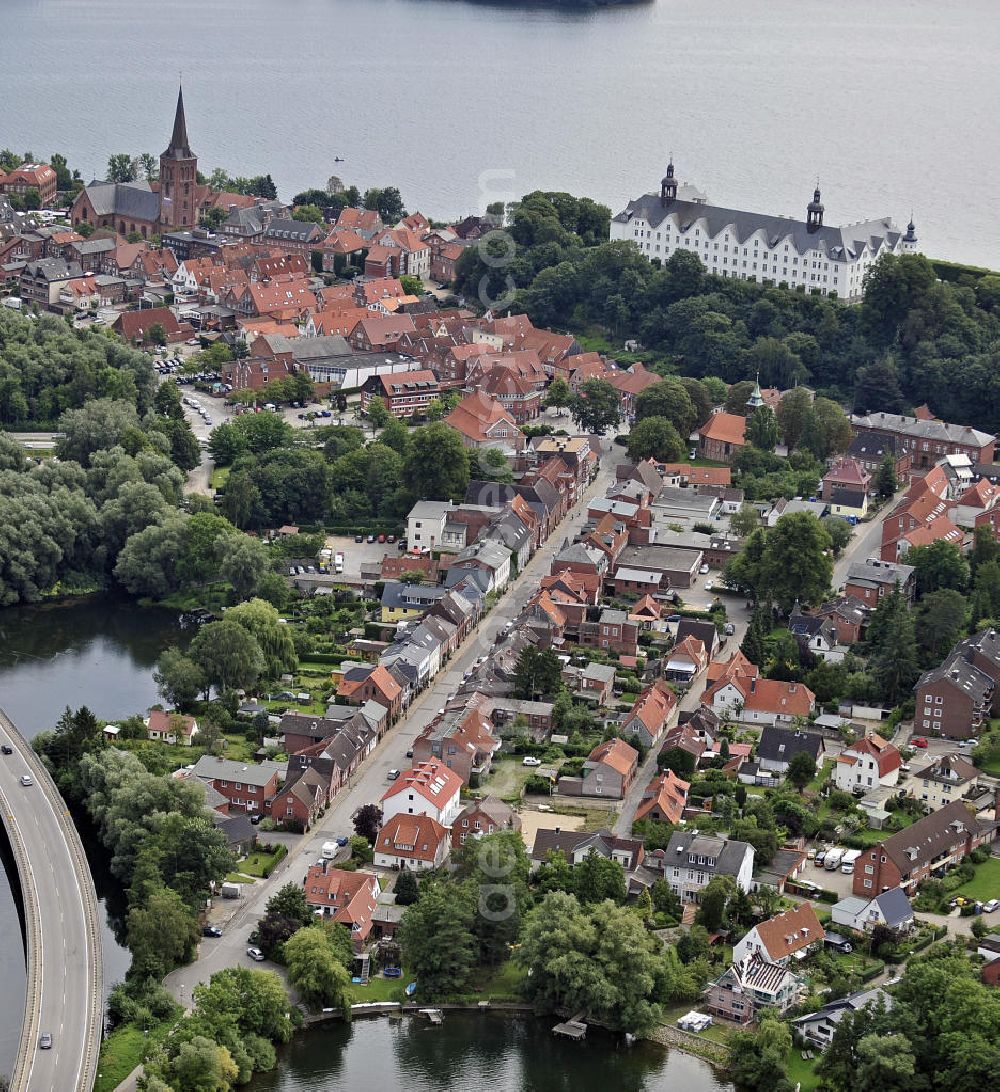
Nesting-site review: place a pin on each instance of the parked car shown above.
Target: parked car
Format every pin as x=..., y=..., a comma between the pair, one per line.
x=392, y=775
x=919, y=741
x=211, y=931
x=409, y=753
x=371, y=538
x=989, y=907
x=673, y=617
x=359, y=538
x=255, y=954
x=530, y=760
x=704, y=570
x=381, y=538
x=841, y=944
x=390, y=538
x=709, y=585
x=819, y=858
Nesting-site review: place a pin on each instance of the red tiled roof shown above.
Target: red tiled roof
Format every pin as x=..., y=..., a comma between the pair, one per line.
x=729, y=428
x=411, y=838
x=159, y=721
x=617, y=754
x=701, y=475
x=789, y=932
x=477, y=414
x=666, y=794
x=847, y=471
x=431, y=779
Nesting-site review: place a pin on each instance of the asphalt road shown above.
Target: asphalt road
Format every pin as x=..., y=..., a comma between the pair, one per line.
x=369, y=782
x=63, y=938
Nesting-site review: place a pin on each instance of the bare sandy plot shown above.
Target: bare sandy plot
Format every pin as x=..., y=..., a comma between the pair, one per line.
x=531, y=821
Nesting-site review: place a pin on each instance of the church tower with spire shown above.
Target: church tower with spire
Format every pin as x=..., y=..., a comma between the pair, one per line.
x=179, y=177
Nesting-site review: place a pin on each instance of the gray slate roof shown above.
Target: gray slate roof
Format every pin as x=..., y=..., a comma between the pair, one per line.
x=895, y=907
x=939, y=431
x=727, y=853
x=134, y=199
x=839, y=243
x=873, y=571
x=781, y=744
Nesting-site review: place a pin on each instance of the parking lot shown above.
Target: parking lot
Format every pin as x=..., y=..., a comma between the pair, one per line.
x=357, y=554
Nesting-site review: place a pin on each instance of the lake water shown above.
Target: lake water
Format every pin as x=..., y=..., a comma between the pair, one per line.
x=890, y=104
x=474, y=1053
x=98, y=652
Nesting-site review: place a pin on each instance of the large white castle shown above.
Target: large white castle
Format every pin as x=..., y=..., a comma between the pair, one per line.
x=757, y=247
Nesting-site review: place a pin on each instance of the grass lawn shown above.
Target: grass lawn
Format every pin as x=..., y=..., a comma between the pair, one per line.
x=985, y=885
x=123, y=1050
x=379, y=989
x=507, y=778
x=220, y=475
x=257, y=863
x=992, y=768
x=801, y=1071
x=823, y=774
x=239, y=877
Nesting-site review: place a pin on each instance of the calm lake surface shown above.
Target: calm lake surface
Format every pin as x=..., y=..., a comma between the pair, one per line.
x=98, y=652
x=474, y=1053
x=891, y=104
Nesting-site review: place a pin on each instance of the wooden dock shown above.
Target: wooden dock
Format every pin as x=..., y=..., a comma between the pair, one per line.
x=434, y=1015
x=571, y=1029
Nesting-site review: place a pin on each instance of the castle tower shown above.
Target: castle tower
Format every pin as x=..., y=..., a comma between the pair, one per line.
x=910, y=238
x=814, y=212
x=668, y=186
x=178, y=177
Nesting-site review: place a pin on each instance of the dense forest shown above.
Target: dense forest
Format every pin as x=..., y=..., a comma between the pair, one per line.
x=915, y=339
x=76, y=522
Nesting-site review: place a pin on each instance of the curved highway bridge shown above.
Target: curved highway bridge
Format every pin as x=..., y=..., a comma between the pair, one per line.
x=64, y=995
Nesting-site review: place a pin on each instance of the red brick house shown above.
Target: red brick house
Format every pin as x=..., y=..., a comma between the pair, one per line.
x=382, y=333
x=612, y=631
x=869, y=581
x=134, y=326
x=480, y=817
x=849, y=617
x=349, y=898
x=482, y=421
x=956, y=699
x=405, y=394
x=664, y=799
x=302, y=799
x=939, y=840
x=722, y=436
x=247, y=786
x=30, y=176
x=378, y=686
